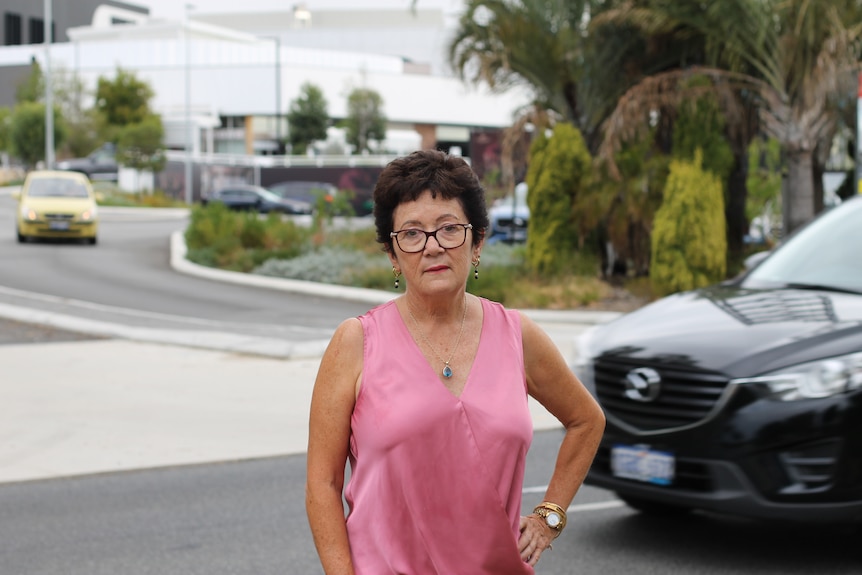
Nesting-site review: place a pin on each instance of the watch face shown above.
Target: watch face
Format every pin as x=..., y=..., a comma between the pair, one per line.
x=553, y=519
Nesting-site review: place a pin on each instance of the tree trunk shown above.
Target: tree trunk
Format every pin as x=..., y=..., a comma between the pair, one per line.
x=737, y=197
x=798, y=191
x=817, y=171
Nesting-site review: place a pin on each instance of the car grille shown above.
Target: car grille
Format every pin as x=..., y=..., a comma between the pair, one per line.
x=686, y=396
x=62, y=217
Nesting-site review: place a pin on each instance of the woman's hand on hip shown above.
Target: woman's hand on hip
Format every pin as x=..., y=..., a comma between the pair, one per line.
x=535, y=538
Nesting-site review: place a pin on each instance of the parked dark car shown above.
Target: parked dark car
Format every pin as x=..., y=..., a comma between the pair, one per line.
x=99, y=165
x=243, y=197
x=305, y=191
x=744, y=397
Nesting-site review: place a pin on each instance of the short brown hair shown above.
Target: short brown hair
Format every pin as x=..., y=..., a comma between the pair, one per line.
x=405, y=179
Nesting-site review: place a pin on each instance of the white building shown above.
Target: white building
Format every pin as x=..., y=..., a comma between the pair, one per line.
x=235, y=75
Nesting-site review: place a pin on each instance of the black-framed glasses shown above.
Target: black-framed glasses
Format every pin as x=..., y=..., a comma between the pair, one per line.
x=450, y=236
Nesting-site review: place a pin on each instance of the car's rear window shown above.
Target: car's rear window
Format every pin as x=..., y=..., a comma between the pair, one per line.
x=56, y=188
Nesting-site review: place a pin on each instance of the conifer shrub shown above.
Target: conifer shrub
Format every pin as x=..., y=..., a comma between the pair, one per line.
x=689, y=244
x=560, y=169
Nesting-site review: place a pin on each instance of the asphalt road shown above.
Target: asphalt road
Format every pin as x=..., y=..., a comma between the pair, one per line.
x=127, y=279
x=247, y=517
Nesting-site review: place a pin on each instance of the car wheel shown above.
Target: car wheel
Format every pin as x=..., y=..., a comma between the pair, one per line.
x=92, y=241
x=21, y=239
x=650, y=507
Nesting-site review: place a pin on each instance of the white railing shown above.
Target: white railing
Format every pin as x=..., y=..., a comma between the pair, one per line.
x=282, y=161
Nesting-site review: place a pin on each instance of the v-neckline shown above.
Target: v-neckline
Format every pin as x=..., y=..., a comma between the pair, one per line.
x=434, y=373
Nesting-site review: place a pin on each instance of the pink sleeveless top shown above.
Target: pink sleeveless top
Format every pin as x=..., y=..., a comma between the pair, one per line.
x=436, y=480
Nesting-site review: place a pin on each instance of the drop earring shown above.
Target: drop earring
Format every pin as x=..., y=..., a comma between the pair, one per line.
x=397, y=273
x=476, y=267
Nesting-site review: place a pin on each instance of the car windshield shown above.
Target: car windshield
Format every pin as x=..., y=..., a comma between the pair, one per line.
x=56, y=188
x=267, y=195
x=823, y=255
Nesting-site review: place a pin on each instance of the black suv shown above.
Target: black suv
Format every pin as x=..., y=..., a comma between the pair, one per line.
x=745, y=397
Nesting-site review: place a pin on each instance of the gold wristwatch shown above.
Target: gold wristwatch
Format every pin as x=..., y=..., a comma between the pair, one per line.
x=552, y=514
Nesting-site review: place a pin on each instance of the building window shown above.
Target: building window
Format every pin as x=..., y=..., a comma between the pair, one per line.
x=37, y=30
x=12, y=23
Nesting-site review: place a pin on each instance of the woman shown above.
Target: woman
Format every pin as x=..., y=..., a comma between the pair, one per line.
x=426, y=396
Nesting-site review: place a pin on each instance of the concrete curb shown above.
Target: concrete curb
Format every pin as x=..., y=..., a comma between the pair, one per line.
x=180, y=264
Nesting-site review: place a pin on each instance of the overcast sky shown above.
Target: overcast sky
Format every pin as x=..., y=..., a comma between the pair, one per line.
x=173, y=9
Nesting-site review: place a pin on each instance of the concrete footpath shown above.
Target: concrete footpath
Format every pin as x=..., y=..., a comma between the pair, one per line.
x=108, y=405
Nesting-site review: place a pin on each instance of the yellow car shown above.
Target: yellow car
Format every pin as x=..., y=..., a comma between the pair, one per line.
x=54, y=204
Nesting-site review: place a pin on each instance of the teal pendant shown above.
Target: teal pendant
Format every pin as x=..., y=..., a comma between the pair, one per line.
x=447, y=371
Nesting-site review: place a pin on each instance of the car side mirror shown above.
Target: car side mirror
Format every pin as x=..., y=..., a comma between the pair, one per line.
x=16, y=195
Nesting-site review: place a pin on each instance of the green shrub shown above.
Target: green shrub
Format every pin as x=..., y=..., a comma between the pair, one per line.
x=689, y=244
x=240, y=241
x=252, y=231
x=560, y=169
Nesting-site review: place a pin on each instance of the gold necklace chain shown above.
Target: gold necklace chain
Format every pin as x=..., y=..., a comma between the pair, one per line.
x=447, y=371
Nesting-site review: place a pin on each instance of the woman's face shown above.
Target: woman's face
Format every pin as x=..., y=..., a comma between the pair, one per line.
x=434, y=269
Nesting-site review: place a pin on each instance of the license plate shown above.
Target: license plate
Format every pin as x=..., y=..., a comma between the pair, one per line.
x=58, y=226
x=642, y=464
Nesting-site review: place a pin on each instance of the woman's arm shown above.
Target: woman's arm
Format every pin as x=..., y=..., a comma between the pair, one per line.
x=553, y=384
x=332, y=405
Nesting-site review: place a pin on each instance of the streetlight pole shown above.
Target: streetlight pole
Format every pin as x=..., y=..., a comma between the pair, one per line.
x=278, y=93
x=49, y=91
x=189, y=192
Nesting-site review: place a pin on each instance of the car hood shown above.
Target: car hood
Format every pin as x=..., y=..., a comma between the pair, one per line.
x=60, y=205
x=735, y=331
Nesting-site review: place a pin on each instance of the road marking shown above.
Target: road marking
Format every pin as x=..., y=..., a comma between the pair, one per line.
x=596, y=506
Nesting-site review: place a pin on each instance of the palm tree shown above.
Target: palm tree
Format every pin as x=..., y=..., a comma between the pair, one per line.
x=533, y=43
x=790, y=59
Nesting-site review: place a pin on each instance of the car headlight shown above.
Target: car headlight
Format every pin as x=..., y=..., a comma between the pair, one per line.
x=88, y=215
x=29, y=214
x=816, y=379
x=582, y=363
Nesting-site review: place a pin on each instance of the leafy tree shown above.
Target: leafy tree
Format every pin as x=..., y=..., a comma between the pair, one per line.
x=86, y=131
x=764, y=179
x=628, y=204
x=559, y=173
x=688, y=238
x=123, y=100
x=700, y=127
x=32, y=88
x=27, y=131
x=366, y=121
x=534, y=43
x=139, y=145
x=5, y=127
x=790, y=59
x=307, y=117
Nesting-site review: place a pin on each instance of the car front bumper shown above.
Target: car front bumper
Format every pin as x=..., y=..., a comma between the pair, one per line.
x=58, y=229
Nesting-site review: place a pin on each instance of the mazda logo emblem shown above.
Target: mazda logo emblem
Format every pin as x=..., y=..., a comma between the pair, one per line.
x=642, y=384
